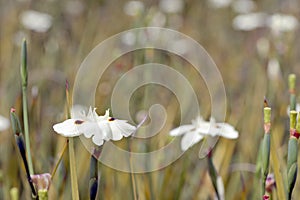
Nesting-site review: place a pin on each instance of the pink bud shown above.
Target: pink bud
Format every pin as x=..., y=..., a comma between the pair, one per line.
x=41, y=181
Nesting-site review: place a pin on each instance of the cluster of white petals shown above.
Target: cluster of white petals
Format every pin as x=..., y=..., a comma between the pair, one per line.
x=4, y=123
x=277, y=23
x=36, y=21
x=99, y=128
x=195, y=132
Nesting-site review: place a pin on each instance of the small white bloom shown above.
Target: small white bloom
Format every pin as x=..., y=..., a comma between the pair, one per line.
x=193, y=133
x=263, y=47
x=279, y=23
x=249, y=22
x=36, y=21
x=243, y=6
x=99, y=128
x=219, y=3
x=273, y=70
x=134, y=8
x=4, y=123
x=171, y=6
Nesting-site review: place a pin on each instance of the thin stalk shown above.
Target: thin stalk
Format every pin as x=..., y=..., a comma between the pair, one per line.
x=265, y=156
x=20, y=143
x=59, y=158
x=132, y=177
x=24, y=77
x=292, y=83
x=74, y=184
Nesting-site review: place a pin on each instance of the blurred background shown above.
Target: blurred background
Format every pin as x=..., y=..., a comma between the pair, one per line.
x=255, y=45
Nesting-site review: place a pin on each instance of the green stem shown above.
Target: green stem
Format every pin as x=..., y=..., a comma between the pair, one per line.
x=24, y=77
x=59, y=158
x=74, y=184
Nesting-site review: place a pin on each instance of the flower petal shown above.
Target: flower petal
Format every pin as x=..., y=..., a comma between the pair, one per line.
x=181, y=130
x=120, y=128
x=227, y=131
x=189, y=139
x=67, y=128
x=97, y=140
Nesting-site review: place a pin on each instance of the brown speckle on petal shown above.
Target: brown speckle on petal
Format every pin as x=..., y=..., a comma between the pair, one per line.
x=78, y=122
x=111, y=119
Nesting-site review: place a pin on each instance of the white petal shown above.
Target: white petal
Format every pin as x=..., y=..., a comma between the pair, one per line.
x=104, y=117
x=90, y=128
x=4, y=123
x=227, y=131
x=105, y=129
x=189, y=139
x=97, y=140
x=67, y=128
x=181, y=130
x=121, y=128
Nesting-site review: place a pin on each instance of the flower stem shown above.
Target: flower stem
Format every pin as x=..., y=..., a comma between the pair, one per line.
x=74, y=184
x=292, y=83
x=292, y=152
x=265, y=156
x=20, y=143
x=132, y=177
x=24, y=77
x=59, y=158
x=93, y=184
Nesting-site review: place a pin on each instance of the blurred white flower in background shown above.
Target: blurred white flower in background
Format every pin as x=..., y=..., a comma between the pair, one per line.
x=158, y=19
x=263, y=47
x=243, y=6
x=273, y=70
x=249, y=22
x=128, y=39
x=36, y=21
x=99, y=128
x=279, y=23
x=74, y=8
x=180, y=46
x=4, y=123
x=195, y=132
x=171, y=6
x=134, y=8
x=219, y=3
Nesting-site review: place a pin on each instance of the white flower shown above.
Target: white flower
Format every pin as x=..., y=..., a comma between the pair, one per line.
x=99, y=128
x=249, y=22
x=4, y=123
x=36, y=21
x=273, y=69
x=171, y=6
x=243, y=6
x=219, y=3
x=134, y=8
x=199, y=128
x=279, y=23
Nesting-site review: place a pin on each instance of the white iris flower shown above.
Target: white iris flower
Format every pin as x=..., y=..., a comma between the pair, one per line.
x=4, y=123
x=99, y=128
x=195, y=132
